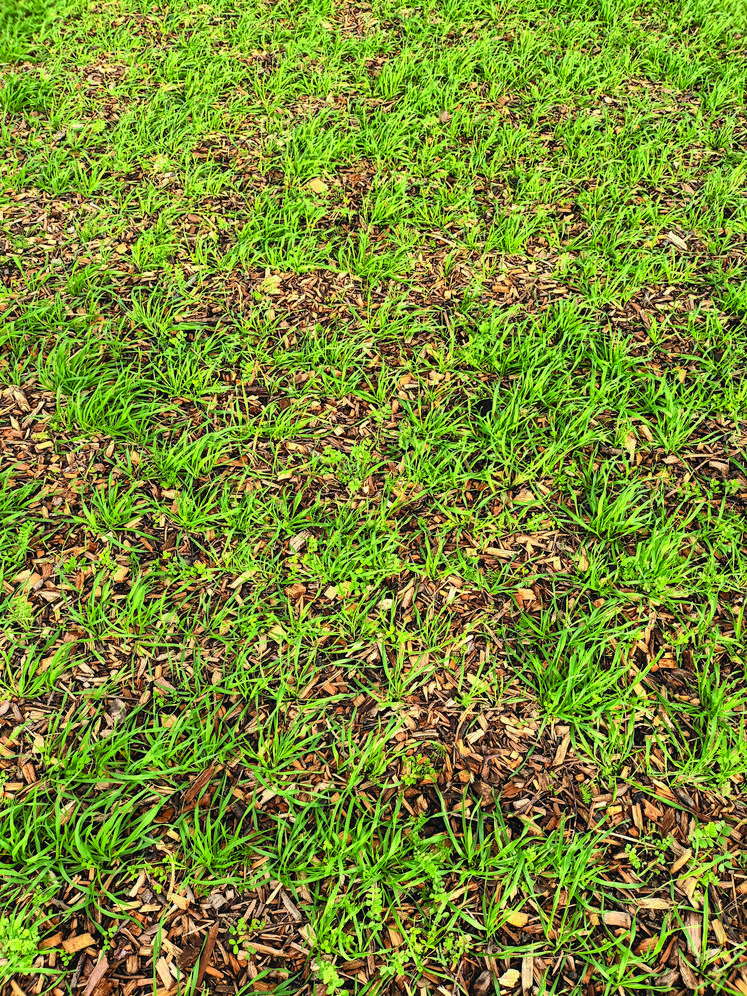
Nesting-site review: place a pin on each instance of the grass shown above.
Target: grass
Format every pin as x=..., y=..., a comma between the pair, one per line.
x=372, y=497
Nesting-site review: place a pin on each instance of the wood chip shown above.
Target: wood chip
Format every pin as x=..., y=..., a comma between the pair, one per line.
x=162, y=967
x=290, y=906
x=207, y=954
x=681, y=862
x=718, y=930
x=299, y=541
x=693, y=930
x=73, y=944
x=652, y=903
x=527, y=973
x=688, y=976
x=615, y=918
x=562, y=750
x=96, y=975
x=198, y=784
x=51, y=942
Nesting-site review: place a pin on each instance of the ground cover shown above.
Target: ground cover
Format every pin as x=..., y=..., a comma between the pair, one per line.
x=373, y=485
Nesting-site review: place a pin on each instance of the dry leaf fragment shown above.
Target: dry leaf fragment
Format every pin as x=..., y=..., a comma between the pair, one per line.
x=483, y=984
x=31, y=580
x=646, y=944
x=689, y=886
x=517, y=918
x=246, y=576
x=646, y=432
x=407, y=596
x=667, y=979
x=524, y=595
x=510, y=978
x=271, y=284
x=583, y=560
x=318, y=186
x=20, y=399
x=677, y=241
